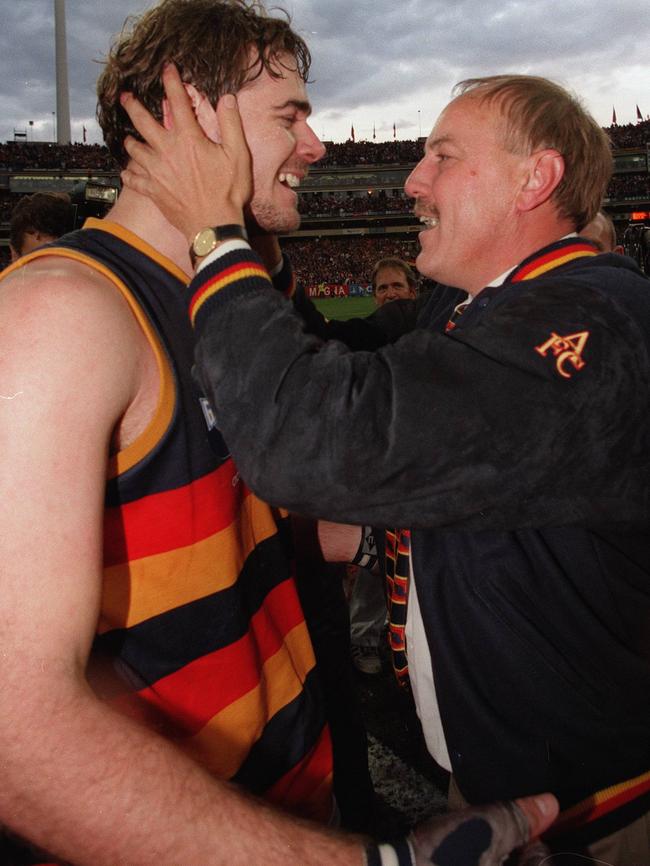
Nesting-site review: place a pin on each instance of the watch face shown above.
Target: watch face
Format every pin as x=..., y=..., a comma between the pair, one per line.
x=204, y=242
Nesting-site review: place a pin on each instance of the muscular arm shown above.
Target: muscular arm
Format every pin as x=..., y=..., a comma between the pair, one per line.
x=77, y=779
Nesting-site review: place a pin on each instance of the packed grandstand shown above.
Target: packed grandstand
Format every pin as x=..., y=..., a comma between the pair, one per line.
x=353, y=207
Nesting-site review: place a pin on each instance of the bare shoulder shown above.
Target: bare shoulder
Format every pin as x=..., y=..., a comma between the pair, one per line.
x=66, y=328
x=70, y=372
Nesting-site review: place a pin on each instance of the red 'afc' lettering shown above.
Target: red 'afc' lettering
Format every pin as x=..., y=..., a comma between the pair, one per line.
x=567, y=350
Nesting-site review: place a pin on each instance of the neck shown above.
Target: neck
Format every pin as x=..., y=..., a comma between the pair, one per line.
x=139, y=215
x=530, y=237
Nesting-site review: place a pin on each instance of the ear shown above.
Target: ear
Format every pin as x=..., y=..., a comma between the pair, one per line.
x=205, y=113
x=545, y=170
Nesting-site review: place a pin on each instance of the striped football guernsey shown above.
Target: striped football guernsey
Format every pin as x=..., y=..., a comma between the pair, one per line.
x=199, y=615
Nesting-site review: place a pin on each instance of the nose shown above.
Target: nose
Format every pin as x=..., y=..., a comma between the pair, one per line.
x=415, y=182
x=310, y=147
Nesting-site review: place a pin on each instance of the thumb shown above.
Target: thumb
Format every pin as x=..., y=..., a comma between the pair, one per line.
x=540, y=812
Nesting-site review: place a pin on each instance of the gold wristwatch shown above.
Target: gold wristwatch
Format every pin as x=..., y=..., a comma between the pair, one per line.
x=209, y=238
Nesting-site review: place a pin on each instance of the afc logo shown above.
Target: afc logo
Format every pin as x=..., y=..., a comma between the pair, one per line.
x=567, y=350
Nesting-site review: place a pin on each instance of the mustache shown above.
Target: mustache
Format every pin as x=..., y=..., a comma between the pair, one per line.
x=428, y=211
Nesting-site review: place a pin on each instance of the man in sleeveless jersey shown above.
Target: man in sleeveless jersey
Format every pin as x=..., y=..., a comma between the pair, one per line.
x=157, y=670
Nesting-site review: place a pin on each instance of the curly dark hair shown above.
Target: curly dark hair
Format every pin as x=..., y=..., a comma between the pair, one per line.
x=217, y=45
x=44, y=213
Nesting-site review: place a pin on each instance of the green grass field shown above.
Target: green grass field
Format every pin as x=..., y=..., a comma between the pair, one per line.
x=345, y=308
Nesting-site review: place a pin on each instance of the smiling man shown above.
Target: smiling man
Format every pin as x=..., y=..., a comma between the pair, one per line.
x=157, y=670
x=162, y=580
x=512, y=445
x=393, y=280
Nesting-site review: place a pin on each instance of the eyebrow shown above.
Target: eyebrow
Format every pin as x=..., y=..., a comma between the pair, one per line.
x=443, y=139
x=301, y=105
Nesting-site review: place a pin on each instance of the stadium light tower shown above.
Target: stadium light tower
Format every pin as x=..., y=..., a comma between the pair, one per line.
x=62, y=93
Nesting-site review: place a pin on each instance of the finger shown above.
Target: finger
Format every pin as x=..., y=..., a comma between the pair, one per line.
x=147, y=126
x=138, y=168
x=180, y=104
x=232, y=133
x=135, y=182
x=540, y=812
x=142, y=160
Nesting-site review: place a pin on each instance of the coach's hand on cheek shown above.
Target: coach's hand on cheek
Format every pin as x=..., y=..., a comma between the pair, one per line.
x=194, y=181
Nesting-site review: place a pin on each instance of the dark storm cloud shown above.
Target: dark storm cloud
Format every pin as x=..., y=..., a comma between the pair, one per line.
x=387, y=49
x=366, y=54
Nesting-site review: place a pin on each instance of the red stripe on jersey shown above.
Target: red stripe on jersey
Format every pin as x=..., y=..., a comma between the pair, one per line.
x=173, y=518
x=301, y=788
x=189, y=695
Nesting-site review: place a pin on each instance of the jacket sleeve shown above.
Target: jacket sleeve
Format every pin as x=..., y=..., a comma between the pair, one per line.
x=385, y=325
x=477, y=428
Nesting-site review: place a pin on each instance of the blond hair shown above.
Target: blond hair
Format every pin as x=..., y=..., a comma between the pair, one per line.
x=541, y=114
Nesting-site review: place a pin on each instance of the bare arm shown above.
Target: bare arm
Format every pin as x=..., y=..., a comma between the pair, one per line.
x=339, y=542
x=77, y=779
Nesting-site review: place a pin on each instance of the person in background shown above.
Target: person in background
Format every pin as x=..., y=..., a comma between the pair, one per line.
x=602, y=232
x=38, y=219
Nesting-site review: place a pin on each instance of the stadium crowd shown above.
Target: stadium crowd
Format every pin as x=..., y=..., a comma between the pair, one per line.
x=340, y=260
x=632, y=185
x=17, y=156
x=629, y=134
x=379, y=201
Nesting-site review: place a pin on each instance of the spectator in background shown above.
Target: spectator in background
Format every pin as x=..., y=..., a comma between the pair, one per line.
x=38, y=219
x=392, y=280
x=602, y=232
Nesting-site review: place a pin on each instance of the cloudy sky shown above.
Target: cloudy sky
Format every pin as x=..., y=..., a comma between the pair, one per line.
x=376, y=62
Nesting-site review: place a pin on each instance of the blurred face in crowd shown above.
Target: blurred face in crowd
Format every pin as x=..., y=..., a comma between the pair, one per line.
x=601, y=231
x=465, y=188
x=274, y=113
x=390, y=285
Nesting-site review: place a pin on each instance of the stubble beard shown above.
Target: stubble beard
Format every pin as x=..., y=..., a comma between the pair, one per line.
x=273, y=218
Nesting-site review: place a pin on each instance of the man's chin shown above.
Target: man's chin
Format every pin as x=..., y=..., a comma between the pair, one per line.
x=426, y=267
x=274, y=220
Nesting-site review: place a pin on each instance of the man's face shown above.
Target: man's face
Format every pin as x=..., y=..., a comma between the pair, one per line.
x=390, y=285
x=274, y=114
x=465, y=188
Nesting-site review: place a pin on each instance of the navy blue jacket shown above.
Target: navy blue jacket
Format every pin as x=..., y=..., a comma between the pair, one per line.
x=517, y=449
